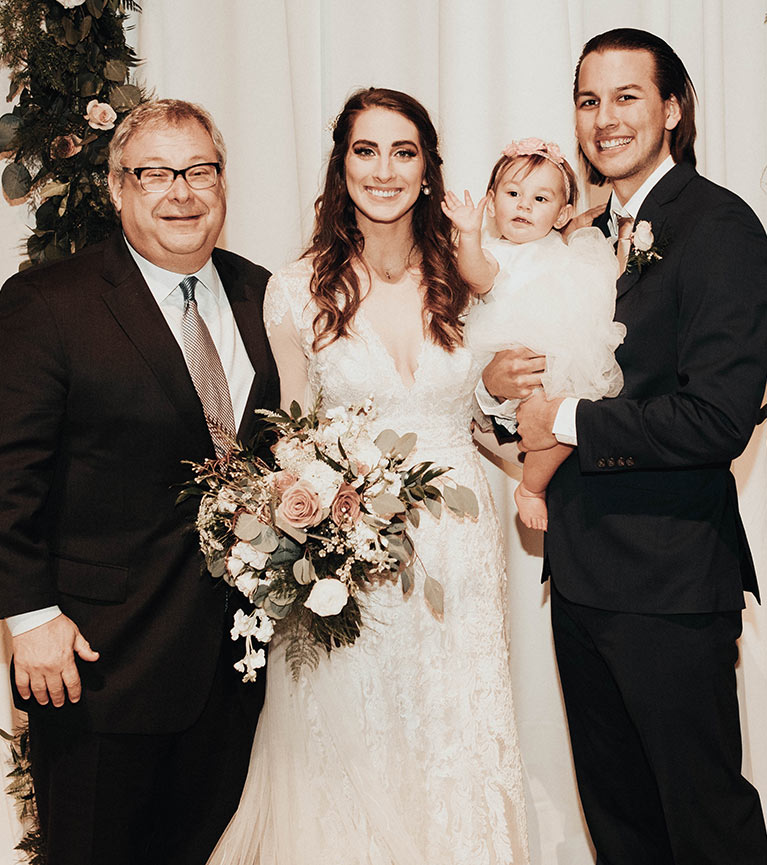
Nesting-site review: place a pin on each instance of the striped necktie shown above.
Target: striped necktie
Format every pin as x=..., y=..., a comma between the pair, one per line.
x=623, y=247
x=206, y=371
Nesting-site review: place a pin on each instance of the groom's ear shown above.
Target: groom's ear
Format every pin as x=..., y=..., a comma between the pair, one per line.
x=673, y=113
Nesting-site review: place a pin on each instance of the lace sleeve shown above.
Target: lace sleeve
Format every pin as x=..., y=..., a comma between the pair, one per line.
x=284, y=310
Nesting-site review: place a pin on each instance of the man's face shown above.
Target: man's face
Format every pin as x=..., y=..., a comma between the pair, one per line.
x=622, y=123
x=176, y=229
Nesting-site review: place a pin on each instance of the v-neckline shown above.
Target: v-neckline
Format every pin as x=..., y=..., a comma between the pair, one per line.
x=361, y=315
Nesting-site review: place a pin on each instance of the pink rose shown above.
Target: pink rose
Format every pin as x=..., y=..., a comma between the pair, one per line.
x=64, y=146
x=300, y=506
x=100, y=115
x=346, y=505
x=281, y=480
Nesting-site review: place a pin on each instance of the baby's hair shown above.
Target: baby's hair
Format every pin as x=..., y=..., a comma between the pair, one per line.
x=528, y=164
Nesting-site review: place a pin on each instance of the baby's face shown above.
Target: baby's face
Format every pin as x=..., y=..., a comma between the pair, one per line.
x=527, y=207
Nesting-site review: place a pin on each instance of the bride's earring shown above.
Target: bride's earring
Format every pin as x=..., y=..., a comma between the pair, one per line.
x=425, y=188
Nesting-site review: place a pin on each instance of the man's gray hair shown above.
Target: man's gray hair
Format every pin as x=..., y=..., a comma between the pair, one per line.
x=158, y=113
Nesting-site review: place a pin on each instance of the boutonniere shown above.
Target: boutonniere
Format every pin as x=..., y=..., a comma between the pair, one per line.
x=644, y=248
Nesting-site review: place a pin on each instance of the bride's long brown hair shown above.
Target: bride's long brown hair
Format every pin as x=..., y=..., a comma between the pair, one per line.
x=337, y=241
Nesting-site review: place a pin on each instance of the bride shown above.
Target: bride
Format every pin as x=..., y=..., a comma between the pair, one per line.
x=401, y=749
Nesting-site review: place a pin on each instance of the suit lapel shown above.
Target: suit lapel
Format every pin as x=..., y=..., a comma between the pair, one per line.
x=137, y=312
x=653, y=211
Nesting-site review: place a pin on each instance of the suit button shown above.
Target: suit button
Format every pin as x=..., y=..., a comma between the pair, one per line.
x=611, y=463
x=629, y=461
x=621, y=461
x=600, y=463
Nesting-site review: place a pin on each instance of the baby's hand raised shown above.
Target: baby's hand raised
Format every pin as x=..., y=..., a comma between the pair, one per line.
x=465, y=217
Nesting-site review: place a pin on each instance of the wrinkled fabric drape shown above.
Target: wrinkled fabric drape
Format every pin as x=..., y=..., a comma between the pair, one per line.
x=275, y=74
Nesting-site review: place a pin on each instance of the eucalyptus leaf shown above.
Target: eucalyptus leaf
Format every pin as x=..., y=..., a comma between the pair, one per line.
x=71, y=30
x=414, y=515
x=16, y=181
x=86, y=27
x=267, y=540
x=52, y=188
x=452, y=500
x=386, y=503
x=468, y=501
x=282, y=597
x=435, y=596
x=259, y=596
x=386, y=441
x=95, y=7
x=407, y=580
x=217, y=567
x=274, y=611
x=247, y=527
x=405, y=444
x=287, y=551
x=295, y=410
x=115, y=70
x=9, y=123
x=298, y=535
x=123, y=97
x=88, y=84
x=434, y=506
x=303, y=571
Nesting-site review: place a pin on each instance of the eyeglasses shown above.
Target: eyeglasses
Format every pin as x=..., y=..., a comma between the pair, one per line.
x=160, y=178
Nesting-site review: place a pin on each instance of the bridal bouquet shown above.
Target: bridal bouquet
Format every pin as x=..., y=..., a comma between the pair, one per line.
x=306, y=530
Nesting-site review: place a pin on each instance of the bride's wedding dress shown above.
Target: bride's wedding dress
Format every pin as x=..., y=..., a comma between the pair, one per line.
x=402, y=749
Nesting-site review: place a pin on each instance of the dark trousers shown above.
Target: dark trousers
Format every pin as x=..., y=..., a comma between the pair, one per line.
x=653, y=715
x=142, y=799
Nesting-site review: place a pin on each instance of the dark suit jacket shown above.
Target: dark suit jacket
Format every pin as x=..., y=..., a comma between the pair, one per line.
x=644, y=517
x=97, y=413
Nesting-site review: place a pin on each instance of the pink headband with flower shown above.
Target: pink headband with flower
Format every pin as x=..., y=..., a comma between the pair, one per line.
x=538, y=147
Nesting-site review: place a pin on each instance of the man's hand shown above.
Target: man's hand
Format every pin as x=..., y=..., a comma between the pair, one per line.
x=535, y=422
x=583, y=220
x=514, y=373
x=45, y=663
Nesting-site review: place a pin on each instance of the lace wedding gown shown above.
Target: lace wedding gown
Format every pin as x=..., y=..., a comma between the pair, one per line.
x=401, y=749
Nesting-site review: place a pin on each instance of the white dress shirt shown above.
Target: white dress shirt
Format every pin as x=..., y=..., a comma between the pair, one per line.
x=564, y=428
x=213, y=306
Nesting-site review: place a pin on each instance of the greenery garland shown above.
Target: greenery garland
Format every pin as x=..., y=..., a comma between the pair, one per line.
x=71, y=70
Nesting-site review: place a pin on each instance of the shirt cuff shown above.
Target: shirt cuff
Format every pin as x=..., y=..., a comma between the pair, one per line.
x=564, y=423
x=26, y=621
x=491, y=407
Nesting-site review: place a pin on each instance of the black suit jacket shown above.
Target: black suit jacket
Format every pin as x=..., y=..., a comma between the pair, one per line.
x=644, y=517
x=97, y=413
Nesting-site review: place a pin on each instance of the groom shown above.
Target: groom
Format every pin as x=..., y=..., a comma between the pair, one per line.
x=139, y=732
x=646, y=550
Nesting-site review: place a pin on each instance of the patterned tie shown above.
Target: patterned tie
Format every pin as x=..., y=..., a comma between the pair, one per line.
x=206, y=371
x=625, y=225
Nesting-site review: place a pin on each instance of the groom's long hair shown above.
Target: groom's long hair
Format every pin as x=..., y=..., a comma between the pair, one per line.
x=671, y=79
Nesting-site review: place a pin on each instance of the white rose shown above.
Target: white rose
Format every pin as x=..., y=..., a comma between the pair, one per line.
x=643, y=238
x=70, y=4
x=324, y=479
x=327, y=597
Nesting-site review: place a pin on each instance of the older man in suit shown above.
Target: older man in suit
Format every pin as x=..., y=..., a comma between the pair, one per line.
x=116, y=365
x=646, y=550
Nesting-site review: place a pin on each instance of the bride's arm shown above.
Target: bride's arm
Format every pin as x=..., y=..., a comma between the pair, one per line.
x=292, y=363
x=285, y=342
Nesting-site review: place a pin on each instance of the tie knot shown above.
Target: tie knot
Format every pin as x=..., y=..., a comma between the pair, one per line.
x=625, y=225
x=187, y=286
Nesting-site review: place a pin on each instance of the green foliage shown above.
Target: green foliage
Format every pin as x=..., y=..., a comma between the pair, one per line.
x=61, y=60
x=20, y=789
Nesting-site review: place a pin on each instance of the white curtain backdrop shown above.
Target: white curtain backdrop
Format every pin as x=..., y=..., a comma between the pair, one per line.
x=274, y=74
